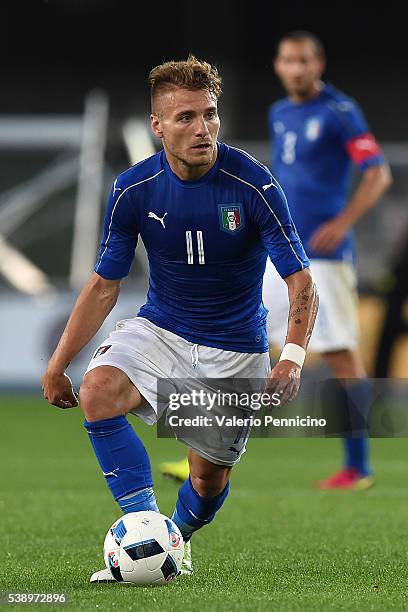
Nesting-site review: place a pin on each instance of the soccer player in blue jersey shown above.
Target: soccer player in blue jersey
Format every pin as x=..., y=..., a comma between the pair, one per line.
x=209, y=215
x=318, y=132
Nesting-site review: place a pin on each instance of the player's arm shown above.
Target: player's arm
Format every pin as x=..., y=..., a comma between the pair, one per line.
x=303, y=306
x=373, y=184
x=361, y=146
x=97, y=298
x=287, y=254
x=93, y=305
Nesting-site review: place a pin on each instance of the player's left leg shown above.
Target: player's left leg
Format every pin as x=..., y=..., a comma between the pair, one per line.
x=199, y=499
x=353, y=397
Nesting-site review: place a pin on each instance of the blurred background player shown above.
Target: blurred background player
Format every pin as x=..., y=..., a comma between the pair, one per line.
x=318, y=133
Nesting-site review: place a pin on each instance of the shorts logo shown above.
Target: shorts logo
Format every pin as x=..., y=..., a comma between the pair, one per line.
x=313, y=128
x=101, y=350
x=231, y=219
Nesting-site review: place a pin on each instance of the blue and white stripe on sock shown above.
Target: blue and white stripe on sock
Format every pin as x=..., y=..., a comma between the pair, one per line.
x=193, y=511
x=144, y=499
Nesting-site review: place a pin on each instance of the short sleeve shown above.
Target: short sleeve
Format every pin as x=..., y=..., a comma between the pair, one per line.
x=119, y=237
x=278, y=233
x=356, y=136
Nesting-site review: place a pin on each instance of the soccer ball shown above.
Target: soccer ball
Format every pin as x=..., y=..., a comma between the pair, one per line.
x=144, y=548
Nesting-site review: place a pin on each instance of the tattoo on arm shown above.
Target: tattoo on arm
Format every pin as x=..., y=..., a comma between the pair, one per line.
x=313, y=314
x=305, y=306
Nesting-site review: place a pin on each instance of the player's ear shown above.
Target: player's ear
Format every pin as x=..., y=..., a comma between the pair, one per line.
x=156, y=126
x=322, y=66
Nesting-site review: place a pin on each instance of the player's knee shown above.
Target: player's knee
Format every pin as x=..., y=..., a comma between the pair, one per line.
x=97, y=396
x=209, y=486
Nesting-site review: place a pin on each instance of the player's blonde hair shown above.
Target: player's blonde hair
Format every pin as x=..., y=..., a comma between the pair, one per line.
x=193, y=74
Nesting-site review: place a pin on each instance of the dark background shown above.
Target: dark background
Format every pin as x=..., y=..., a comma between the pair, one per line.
x=53, y=52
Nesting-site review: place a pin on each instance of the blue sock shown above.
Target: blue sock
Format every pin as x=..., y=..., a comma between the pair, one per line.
x=193, y=511
x=357, y=454
x=144, y=499
x=356, y=445
x=124, y=462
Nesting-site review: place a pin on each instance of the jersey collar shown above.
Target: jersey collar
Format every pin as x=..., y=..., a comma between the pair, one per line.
x=204, y=179
x=311, y=101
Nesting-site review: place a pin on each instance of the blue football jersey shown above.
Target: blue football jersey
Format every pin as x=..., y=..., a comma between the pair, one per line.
x=207, y=242
x=314, y=146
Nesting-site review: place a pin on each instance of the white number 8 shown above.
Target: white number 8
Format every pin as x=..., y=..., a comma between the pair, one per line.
x=289, y=147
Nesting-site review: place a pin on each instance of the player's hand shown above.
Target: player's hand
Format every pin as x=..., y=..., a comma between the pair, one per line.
x=284, y=380
x=328, y=236
x=58, y=390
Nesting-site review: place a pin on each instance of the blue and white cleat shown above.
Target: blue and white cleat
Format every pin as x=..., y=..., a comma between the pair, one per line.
x=103, y=576
x=187, y=563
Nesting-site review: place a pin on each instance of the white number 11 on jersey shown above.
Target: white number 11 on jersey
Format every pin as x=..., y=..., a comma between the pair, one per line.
x=200, y=245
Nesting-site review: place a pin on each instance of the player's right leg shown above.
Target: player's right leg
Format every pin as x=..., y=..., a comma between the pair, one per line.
x=106, y=397
x=122, y=377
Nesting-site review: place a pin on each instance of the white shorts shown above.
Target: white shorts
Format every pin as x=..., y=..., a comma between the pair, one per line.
x=147, y=353
x=336, y=326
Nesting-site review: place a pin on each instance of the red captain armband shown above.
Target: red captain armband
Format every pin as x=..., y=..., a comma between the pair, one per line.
x=363, y=147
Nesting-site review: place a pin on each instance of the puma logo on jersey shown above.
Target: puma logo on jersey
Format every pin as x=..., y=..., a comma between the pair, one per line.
x=271, y=184
x=153, y=215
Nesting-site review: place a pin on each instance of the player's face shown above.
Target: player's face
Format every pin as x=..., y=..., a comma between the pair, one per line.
x=299, y=67
x=188, y=123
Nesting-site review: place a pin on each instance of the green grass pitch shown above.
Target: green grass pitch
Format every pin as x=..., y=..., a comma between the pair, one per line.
x=276, y=545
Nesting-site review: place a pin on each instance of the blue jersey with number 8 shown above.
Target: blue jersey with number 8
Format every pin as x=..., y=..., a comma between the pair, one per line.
x=314, y=146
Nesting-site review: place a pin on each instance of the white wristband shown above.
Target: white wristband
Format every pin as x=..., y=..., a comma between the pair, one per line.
x=293, y=352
